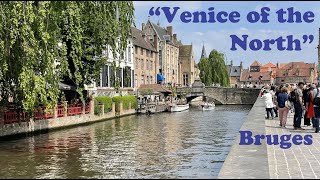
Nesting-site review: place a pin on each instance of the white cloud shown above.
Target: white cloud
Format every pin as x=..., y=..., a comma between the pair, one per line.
x=199, y=33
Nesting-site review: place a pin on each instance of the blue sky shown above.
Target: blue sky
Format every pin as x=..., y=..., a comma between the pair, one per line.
x=217, y=35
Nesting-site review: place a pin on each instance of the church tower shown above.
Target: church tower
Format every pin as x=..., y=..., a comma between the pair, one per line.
x=203, y=53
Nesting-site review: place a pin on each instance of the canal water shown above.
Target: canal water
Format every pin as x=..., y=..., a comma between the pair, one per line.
x=191, y=144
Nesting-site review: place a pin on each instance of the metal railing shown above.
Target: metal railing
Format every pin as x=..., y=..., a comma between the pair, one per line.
x=11, y=116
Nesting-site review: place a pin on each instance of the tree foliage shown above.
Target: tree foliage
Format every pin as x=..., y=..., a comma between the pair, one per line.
x=213, y=69
x=45, y=42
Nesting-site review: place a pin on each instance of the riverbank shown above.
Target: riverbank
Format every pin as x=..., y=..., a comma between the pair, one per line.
x=272, y=161
x=248, y=161
x=44, y=125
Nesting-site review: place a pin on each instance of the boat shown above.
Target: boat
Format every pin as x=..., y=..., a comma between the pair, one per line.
x=207, y=106
x=147, y=109
x=178, y=107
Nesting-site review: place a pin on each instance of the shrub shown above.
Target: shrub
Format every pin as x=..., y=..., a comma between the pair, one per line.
x=125, y=102
x=107, y=101
x=97, y=110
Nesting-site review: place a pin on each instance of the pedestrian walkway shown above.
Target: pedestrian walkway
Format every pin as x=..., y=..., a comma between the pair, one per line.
x=297, y=162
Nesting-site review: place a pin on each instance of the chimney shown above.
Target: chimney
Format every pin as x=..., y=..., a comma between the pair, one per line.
x=155, y=42
x=169, y=30
x=143, y=26
x=241, y=65
x=175, y=36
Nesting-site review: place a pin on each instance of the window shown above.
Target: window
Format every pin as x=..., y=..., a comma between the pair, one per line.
x=142, y=79
x=136, y=80
x=129, y=54
x=147, y=53
x=136, y=49
x=137, y=63
x=148, y=82
x=151, y=68
x=147, y=65
x=160, y=57
x=151, y=54
x=185, y=79
x=142, y=64
x=151, y=80
x=141, y=51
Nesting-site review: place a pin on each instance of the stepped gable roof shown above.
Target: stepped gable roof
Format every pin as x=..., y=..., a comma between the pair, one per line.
x=138, y=40
x=185, y=50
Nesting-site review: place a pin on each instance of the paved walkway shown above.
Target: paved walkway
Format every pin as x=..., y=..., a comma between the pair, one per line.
x=270, y=161
x=299, y=161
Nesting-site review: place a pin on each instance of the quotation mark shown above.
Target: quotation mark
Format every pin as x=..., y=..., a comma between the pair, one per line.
x=305, y=38
x=152, y=12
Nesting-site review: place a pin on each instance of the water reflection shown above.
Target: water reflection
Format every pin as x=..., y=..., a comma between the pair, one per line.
x=168, y=145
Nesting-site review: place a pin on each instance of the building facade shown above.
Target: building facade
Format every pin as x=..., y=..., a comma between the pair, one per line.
x=168, y=49
x=294, y=72
x=186, y=65
x=234, y=74
x=117, y=71
x=145, y=58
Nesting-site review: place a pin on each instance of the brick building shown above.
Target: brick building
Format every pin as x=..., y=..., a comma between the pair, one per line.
x=295, y=72
x=186, y=65
x=168, y=46
x=145, y=58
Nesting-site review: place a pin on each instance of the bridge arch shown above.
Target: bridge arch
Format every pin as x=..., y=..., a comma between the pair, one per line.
x=221, y=95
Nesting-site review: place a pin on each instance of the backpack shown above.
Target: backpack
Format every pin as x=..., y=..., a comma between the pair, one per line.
x=293, y=96
x=316, y=99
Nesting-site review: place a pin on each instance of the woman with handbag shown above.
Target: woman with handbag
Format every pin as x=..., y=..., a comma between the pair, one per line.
x=309, y=104
x=283, y=105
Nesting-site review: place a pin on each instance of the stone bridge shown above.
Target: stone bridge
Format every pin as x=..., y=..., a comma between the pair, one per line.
x=221, y=95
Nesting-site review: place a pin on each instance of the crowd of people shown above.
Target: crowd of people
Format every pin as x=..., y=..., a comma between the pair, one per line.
x=302, y=99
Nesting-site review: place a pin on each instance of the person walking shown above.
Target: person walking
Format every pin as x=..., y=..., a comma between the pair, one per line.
x=316, y=94
x=309, y=104
x=282, y=99
x=298, y=106
x=306, y=98
x=268, y=103
x=273, y=93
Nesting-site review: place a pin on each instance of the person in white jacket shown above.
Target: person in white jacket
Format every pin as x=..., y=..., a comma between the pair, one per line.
x=268, y=101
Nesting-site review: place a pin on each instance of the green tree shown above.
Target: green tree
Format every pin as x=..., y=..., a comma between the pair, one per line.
x=214, y=70
x=45, y=42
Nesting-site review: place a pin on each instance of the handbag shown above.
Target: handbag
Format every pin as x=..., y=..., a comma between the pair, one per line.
x=288, y=104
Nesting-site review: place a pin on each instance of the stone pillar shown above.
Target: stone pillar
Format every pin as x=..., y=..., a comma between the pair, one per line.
x=113, y=109
x=102, y=109
x=120, y=108
x=92, y=106
x=83, y=108
x=65, y=105
x=55, y=111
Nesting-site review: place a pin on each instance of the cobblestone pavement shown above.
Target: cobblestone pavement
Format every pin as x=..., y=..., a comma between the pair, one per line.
x=299, y=161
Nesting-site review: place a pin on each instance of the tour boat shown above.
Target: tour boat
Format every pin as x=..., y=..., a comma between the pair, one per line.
x=207, y=106
x=178, y=107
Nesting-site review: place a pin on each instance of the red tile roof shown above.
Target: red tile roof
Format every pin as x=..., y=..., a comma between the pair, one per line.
x=269, y=65
x=296, y=69
x=255, y=76
x=265, y=68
